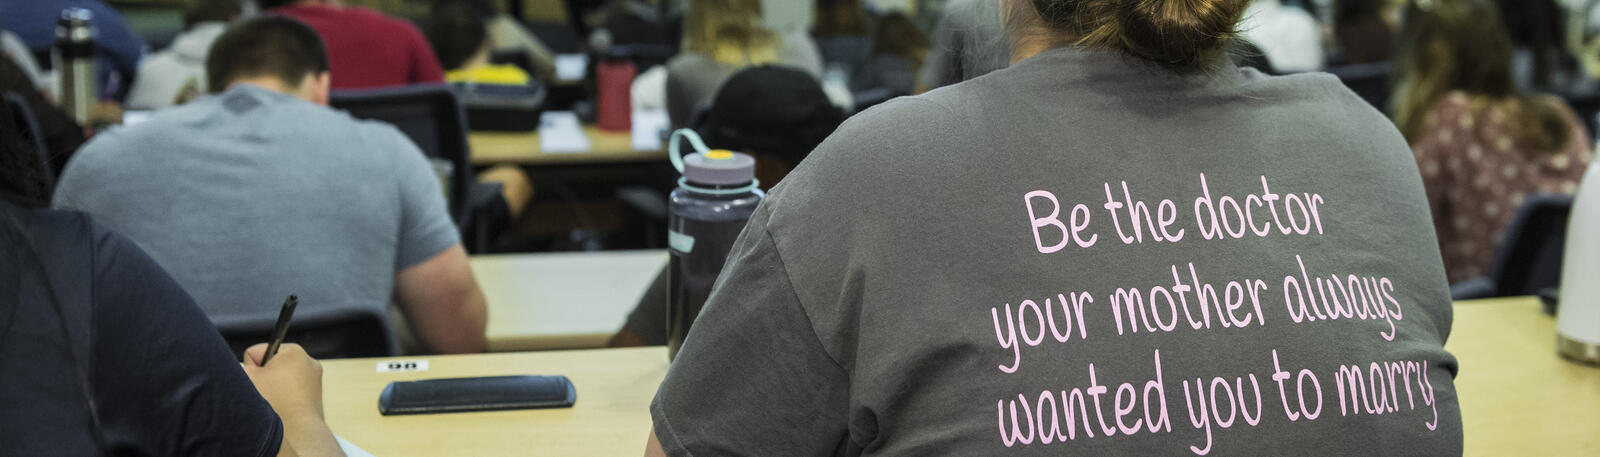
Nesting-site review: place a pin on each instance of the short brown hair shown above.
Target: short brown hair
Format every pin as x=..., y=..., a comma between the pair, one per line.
x=267, y=46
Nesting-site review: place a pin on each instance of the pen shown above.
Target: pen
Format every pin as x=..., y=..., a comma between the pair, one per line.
x=281, y=328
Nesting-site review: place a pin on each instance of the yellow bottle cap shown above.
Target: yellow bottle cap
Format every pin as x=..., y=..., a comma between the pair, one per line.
x=719, y=154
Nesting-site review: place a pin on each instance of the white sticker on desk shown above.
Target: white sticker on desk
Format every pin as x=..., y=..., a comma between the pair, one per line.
x=402, y=365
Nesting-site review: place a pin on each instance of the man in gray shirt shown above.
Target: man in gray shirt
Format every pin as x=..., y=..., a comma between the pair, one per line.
x=261, y=191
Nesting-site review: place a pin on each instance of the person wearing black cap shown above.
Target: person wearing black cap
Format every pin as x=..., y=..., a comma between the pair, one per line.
x=774, y=113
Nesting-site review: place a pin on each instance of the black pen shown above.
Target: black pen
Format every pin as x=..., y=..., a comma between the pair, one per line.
x=281, y=329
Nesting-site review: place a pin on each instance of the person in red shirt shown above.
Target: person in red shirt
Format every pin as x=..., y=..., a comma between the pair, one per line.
x=365, y=48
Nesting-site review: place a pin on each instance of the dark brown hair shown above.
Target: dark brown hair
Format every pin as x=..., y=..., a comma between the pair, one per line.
x=898, y=36
x=841, y=18
x=267, y=46
x=1181, y=35
x=1461, y=45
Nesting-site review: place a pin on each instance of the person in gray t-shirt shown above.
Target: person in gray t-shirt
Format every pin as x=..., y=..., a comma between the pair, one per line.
x=260, y=191
x=1124, y=246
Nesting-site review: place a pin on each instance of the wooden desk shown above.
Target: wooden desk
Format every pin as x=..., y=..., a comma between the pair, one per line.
x=522, y=148
x=1517, y=396
x=611, y=417
x=562, y=300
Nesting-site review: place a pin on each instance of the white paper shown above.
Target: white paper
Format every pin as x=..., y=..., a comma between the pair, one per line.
x=561, y=133
x=648, y=126
x=402, y=365
x=350, y=449
x=571, y=67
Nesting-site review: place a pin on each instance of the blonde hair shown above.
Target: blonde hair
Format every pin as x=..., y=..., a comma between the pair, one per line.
x=729, y=32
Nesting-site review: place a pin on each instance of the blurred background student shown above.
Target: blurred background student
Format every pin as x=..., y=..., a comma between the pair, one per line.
x=898, y=52
x=1483, y=145
x=720, y=37
x=1362, y=34
x=61, y=134
x=117, y=48
x=102, y=353
x=178, y=73
x=366, y=48
x=459, y=33
x=1288, y=35
x=774, y=113
x=967, y=42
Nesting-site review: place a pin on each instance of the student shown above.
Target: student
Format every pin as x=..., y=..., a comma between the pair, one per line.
x=916, y=280
x=118, y=49
x=260, y=191
x=968, y=41
x=1288, y=35
x=774, y=113
x=898, y=50
x=366, y=49
x=1363, y=35
x=720, y=37
x=1541, y=59
x=102, y=352
x=843, y=32
x=178, y=74
x=1483, y=146
x=459, y=35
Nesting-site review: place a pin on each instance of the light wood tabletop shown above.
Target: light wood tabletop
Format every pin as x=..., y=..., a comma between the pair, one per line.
x=522, y=148
x=562, y=300
x=610, y=418
x=1517, y=396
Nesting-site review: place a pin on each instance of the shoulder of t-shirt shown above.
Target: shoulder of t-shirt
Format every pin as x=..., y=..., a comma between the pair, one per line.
x=1330, y=107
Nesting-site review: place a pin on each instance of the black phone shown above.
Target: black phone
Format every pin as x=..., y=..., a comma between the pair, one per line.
x=492, y=393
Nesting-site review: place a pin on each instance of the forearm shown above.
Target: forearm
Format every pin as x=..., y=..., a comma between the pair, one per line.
x=460, y=333
x=309, y=436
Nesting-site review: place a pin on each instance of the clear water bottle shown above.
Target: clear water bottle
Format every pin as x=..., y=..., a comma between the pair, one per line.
x=73, y=57
x=714, y=199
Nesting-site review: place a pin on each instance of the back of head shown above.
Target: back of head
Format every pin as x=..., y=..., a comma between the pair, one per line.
x=898, y=36
x=775, y=111
x=841, y=18
x=1461, y=45
x=457, y=30
x=1180, y=35
x=270, y=4
x=211, y=11
x=729, y=32
x=270, y=46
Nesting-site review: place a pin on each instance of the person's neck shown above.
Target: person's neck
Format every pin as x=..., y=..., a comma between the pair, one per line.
x=269, y=83
x=1025, y=49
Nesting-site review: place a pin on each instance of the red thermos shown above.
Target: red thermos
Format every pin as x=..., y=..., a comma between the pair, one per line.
x=615, y=80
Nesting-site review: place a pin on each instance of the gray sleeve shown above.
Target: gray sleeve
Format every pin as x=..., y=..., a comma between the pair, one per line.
x=426, y=228
x=753, y=378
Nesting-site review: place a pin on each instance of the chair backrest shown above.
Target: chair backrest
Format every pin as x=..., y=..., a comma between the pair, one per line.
x=432, y=116
x=1368, y=80
x=325, y=334
x=1587, y=107
x=1528, y=257
x=29, y=125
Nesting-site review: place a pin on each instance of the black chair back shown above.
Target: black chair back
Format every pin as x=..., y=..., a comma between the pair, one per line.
x=432, y=117
x=1371, y=81
x=28, y=124
x=325, y=334
x=1528, y=257
x=1587, y=108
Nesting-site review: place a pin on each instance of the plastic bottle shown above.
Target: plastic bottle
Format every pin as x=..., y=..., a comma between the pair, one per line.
x=714, y=199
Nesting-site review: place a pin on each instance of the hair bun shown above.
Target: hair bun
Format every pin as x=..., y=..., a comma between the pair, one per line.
x=1178, y=34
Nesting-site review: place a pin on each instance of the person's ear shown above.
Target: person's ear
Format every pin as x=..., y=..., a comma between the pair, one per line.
x=319, y=84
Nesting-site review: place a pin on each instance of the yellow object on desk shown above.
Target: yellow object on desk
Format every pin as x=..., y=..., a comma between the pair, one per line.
x=522, y=148
x=611, y=416
x=1517, y=396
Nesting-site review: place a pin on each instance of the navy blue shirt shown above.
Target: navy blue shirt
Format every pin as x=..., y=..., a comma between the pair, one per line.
x=118, y=337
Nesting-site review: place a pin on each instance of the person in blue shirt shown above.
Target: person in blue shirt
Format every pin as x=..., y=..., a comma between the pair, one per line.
x=118, y=48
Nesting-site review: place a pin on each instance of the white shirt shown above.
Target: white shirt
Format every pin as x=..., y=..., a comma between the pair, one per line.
x=1288, y=35
x=164, y=74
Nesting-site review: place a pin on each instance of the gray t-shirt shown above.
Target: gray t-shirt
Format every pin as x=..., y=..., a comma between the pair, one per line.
x=944, y=276
x=251, y=195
